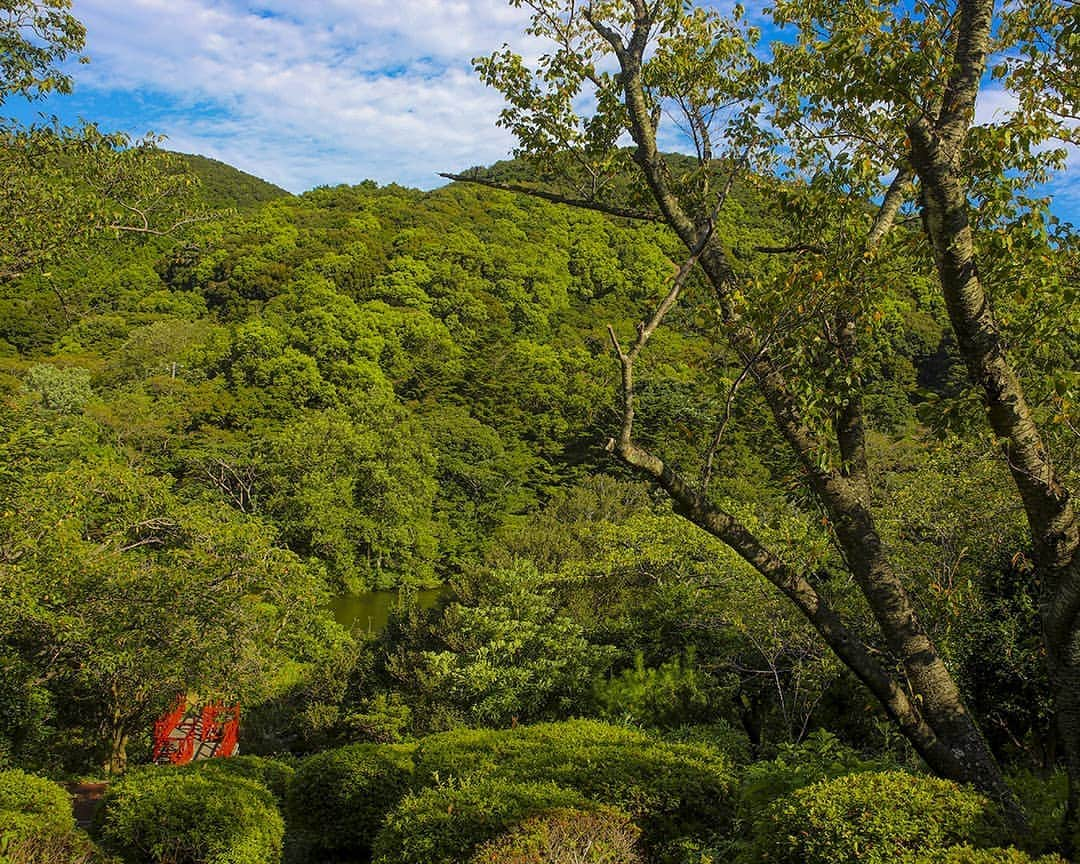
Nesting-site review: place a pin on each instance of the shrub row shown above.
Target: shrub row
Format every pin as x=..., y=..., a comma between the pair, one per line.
x=575, y=791
x=673, y=790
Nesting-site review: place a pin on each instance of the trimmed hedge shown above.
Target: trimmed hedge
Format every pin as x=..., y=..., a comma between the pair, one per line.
x=674, y=790
x=37, y=825
x=212, y=817
x=822, y=756
x=271, y=773
x=970, y=855
x=877, y=818
x=444, y=825
x=337, y=799
x=601, y=836
x=41, y=801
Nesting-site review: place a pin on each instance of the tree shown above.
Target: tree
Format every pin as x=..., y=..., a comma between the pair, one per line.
x=117, y=596
x=37, y=35
x=504, y=652
x=62, y=187
x=865, y=90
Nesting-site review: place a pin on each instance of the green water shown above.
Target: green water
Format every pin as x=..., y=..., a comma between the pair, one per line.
x=370, y=610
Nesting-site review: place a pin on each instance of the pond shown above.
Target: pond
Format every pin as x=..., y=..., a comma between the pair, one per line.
x=370, y=610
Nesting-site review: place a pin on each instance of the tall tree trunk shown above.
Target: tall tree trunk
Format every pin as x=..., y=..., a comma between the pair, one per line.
x=1051, y=517
x=116, y=734
x=117, y=761
x=936, y=155
x=955, y=747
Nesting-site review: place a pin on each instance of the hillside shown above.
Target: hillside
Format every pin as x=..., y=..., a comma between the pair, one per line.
x=226, y=186
x=455, y=337
x=205, y=438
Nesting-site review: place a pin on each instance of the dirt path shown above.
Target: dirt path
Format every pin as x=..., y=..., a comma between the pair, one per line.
x=84, y=800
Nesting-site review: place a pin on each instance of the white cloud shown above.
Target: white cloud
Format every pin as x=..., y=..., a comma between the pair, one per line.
x=304, y=92
x=994, y=105
x=333, y=91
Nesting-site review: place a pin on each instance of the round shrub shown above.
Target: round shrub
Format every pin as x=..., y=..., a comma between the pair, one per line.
x=821, y=756
x=337, y=799
x=189, y=817
x=443, y=825
x=875, y=818
x=37, y=824
x=601, y=836
x=43, y=802
x=970, y=855
x=271, y=773
x=674, y=790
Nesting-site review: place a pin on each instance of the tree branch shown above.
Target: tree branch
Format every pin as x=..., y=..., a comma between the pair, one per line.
x=890, y=206
x=598, y=206
x=802, y=594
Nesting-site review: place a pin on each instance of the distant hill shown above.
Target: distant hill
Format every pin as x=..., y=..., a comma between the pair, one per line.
x=225, y=186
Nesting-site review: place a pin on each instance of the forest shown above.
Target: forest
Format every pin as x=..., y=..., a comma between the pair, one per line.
x=725, y=493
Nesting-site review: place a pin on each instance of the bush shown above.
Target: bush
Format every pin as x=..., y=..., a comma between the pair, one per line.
x=674, y=694
x=189, y=817
x=384, y=719
x=601, y=836
x=820, y=757
x=719, y=735
x=673, y=789
x=28, y=840
x=1043, y=798
x=271, y=773
x=877, y=818
x=337, y=800
x=37, y=825
x=970, y=855
x=38, y=800
x=444, y=824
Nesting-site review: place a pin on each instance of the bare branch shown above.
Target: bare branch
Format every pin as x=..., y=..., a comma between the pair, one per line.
x=890, y=206
x=598, y=206
x=710, y=456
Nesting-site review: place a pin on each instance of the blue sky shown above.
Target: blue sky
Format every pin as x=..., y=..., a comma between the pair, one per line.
x=301, y=93
x=307, y=92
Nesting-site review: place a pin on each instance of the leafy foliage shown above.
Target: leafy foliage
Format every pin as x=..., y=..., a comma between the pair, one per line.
x=507, y=652
x=873, y=817
x=601, y=836
x=25, y=795
x=338, y=799
x=161, y=815
x=672, y=789
x=444, y=824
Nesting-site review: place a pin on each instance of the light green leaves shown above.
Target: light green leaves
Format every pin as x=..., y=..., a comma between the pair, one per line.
x=36, y=35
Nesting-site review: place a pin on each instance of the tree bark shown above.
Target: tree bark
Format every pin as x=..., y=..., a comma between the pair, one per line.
x=936, y=154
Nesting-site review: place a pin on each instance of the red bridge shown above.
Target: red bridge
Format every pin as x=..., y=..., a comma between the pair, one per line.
x=196, y=732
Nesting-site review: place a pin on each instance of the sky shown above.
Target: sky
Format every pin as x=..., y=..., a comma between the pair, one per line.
x=310, y=92
x=299, y=92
